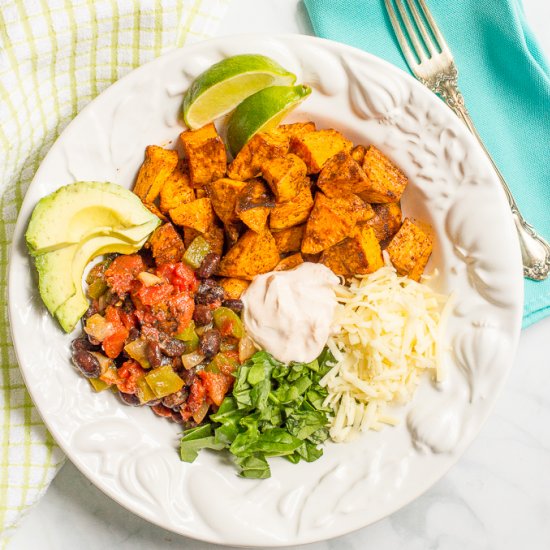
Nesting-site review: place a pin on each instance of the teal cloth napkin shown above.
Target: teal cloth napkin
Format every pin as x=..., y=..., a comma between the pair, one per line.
x=505, y=81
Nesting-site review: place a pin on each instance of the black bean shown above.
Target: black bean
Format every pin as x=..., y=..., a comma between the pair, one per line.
x=93, y=341
x=175, y=400
x=172, y=347
x=177, y=365
x=133, y=335
x=130, y=399
x=128, y=305
x=153, y=402
x=209, y=342
x=92, y=310
x=209, y=292
x=235, y=305
x=87, y=363
x=208, y=266
x=207, y=284
x=82, y=343
x=202, y=315
x=154, y=355
x=161, y=410
x=176, y=417
x=188, y=376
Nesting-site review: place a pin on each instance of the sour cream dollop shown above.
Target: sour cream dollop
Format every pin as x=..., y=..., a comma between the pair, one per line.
x=290, y=313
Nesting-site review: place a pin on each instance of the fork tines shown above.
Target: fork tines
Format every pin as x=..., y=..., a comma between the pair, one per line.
x=421, y=31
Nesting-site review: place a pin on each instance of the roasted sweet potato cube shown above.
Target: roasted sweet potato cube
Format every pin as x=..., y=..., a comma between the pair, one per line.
x=285, y=176
x=315, y=148
x=386, y=221
x=233, y=288
x=293, y=212
x=205, y=153
x=159, y=163
x=214, y=237
x=290, y=262
x=254, y=253
x=366, y=214
x=261, y=148
x=331, y=221
x=254, y=194
x=197, y=214
x=341, y=175
x=356, y=255
x=255, y=218
x=152, y=207
x=386, y=181
x=176, y=189
x=410, y=250
x=295, y=129
x=254, y=203
x=223, y=193
x=358, y=154
x=189, y=235
x=166, y=245
x=289, y=240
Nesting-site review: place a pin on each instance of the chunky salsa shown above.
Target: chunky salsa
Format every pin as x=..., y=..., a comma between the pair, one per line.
x=162, y=334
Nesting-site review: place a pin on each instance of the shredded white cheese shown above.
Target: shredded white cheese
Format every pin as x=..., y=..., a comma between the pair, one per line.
x=388, y=332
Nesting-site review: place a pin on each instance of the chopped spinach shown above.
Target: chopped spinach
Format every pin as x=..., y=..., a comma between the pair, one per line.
x=273, y=410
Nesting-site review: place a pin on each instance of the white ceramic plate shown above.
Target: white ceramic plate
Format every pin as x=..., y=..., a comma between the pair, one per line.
x=131, y=454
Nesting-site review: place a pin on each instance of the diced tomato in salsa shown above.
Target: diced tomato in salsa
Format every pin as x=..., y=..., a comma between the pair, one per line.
x=216, y=385
x=226, y=328
x=196, y=396
x=122, y=272
x=112, y=314
x=154, y=295
x=129, y=373
x=114, y=342
x=179, y=275
x=182, y=306
x=129, y=320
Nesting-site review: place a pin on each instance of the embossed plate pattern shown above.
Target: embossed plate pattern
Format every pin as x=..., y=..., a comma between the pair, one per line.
x=131, y=455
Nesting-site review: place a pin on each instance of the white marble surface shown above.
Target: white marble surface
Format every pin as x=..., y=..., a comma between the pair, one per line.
x=496, y=497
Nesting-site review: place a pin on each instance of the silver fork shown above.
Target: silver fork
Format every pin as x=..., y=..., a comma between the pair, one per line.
x=436, y=69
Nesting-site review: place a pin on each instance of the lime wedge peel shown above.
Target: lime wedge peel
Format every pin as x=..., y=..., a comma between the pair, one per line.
x=219, y=89
x=262, y=112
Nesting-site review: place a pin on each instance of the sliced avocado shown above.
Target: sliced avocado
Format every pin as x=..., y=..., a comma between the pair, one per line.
x=55, y=276
x=133, y=234
x=80, y=210
x=69, y=313
x=58, y=270
x=126, y=234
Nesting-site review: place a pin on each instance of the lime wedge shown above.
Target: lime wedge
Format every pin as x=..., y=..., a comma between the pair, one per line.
x=219, y=89
x=261, y=112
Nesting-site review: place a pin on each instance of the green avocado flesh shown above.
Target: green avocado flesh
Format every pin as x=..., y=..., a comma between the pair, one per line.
x=60, y=271
x=74, y=225
x=80, y=210
x=69, y=312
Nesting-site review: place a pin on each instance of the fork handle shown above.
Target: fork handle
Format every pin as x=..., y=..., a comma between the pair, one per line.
x=535, y=251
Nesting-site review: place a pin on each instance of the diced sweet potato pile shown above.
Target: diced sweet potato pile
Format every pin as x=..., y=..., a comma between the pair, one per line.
x=294, y=194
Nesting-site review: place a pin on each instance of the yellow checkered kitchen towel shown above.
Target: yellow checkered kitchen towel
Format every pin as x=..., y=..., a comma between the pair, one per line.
x=55, y=56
